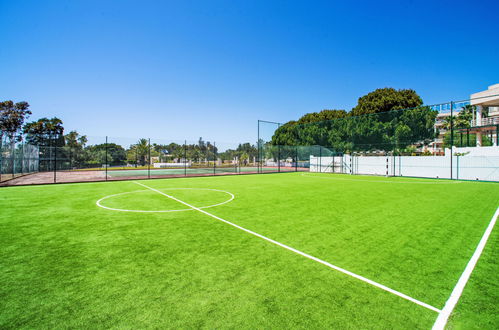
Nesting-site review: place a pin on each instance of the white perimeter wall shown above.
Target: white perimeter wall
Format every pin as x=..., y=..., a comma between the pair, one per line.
x=463, y=167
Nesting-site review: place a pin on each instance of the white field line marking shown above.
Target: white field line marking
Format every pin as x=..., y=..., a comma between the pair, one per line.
x=163, y=211
x=443, y=315
x=325, y=263
x=384, y=181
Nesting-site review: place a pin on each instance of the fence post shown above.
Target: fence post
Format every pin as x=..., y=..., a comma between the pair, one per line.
x=296, y=159
x=259, y=165
x=22, y=158
x=1, y=156
x=149, y=162
x=185, y=158
x=55, y=161
x=320, y=159
x=13, y=156
x=214, y=160
x=279, y=158
x=400, y=164
x=106, y=158
x=386, y=165
x=451, y=134
x=351, y=163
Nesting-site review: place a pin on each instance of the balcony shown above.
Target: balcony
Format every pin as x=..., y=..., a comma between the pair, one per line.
x=486, y=121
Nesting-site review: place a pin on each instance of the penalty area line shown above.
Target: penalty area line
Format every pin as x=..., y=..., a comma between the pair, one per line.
x=325, y=263
x=443, y=315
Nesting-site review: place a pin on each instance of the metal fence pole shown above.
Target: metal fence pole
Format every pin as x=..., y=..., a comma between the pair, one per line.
x=387, y=165
x=149, y=162
x=279, y=158
x=451, y=135
x=106, y=157
x=185, y=158
x=320, y=159
x=55, y=162
x=351, y=163
x=1, y=156
x=214, y=160
x=296, y=159
x=22, y=158
x=258, y=151
x=13, y=157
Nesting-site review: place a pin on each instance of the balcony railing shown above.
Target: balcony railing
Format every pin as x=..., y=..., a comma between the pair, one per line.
x=486, y=121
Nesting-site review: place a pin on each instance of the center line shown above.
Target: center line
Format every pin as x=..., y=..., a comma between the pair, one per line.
x=325, y=263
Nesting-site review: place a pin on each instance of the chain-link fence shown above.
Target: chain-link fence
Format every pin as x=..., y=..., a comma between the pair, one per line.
x=454, y=140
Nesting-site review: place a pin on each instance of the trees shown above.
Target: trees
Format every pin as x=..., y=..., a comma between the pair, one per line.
x=12, y=117
x=373, y=124
x=74, y=149
x=116, y=154
x=45, y=132
x=138, y=153
x=386, y=99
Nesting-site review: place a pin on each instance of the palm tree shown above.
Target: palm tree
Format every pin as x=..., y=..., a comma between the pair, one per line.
x=142, y=150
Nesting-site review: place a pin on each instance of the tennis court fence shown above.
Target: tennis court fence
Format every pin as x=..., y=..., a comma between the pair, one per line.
x=61, y=159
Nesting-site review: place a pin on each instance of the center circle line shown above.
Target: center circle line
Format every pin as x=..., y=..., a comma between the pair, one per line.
x=99, y=204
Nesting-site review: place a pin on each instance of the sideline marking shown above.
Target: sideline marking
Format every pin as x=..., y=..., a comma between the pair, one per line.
x=444, y=314
x=325, y=263
x=384, y=181
x=163, y=211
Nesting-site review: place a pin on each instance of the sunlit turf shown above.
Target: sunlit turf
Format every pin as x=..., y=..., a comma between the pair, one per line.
x=65, y=262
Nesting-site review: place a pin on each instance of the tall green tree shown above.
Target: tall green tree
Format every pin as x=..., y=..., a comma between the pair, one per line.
x=138, y=153
x=386, y=99
x=110, y=154
x=374, y=124
x=12, y=117
x=74, y=149
x=45, y=132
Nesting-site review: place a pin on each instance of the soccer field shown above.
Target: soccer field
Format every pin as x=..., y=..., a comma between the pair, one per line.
x=289, y=250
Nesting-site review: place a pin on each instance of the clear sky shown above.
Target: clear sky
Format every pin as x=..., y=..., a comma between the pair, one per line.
x=185, y=69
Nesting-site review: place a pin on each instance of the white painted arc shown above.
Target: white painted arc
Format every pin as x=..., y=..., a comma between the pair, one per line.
x=465, y=276
x=325, y=263
x=99, y=204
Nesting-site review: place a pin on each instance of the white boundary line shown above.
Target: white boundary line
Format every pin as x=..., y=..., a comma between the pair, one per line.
x=383, y=181
x=163, y=211
x=325, y=263
x=443, y=315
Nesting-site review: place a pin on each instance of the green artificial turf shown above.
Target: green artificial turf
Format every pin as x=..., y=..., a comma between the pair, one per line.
x=65, y=262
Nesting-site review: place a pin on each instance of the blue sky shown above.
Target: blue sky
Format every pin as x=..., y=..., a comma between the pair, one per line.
x=185, y=69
